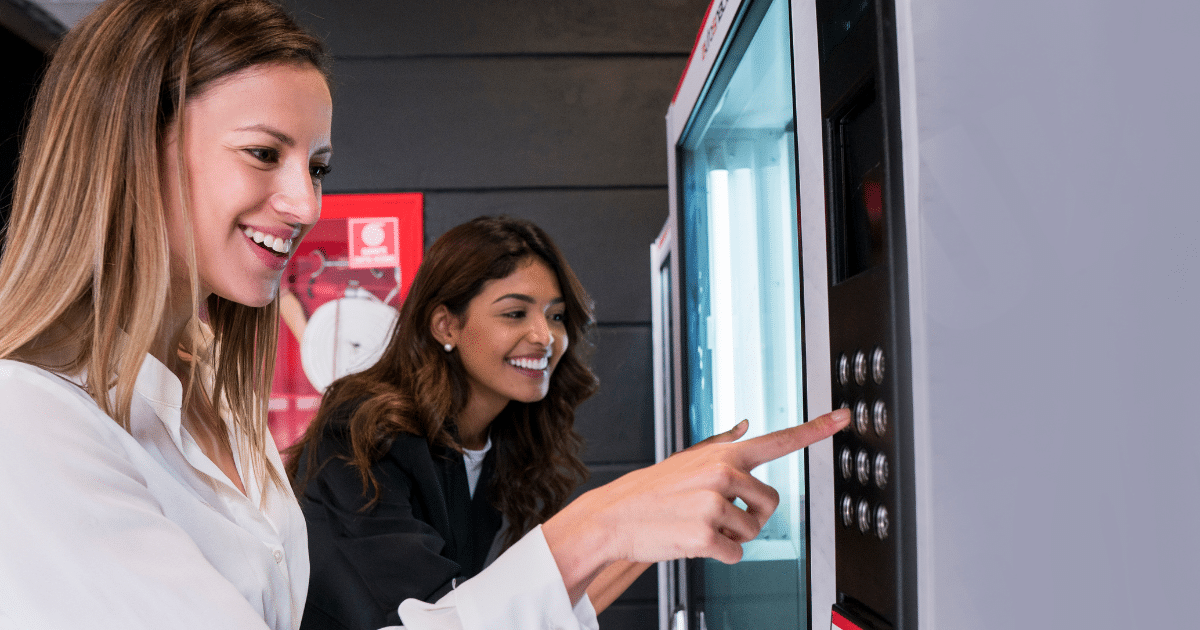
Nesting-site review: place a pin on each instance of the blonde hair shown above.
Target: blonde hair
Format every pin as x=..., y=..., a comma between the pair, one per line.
x=87, y=257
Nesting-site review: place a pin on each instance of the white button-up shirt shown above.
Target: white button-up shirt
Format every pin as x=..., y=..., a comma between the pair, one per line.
x=103, y=528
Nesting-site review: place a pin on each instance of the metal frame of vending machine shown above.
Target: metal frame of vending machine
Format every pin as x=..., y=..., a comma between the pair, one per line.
x=669, y=431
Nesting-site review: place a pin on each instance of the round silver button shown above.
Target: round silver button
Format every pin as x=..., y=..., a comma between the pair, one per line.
x=860, y=368
x=847, y=511
x=863, y=462
x=846, y=459
x=878, y=364
x=278, y=555
x=880, y=417
x=881, y=522
x=864, y=516
x=861, y=419
x=881, y=470
x=843, y=370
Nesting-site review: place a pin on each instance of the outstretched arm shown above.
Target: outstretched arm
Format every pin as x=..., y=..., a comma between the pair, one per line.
x=681, y=507
x=618, y=576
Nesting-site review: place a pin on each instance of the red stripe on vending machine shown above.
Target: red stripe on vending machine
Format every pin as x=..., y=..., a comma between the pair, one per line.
x=841, y=623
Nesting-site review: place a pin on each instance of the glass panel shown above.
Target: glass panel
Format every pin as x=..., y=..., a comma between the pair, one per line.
x=743, y=304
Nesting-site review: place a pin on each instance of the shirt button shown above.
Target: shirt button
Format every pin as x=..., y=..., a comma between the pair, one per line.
x=278, y=555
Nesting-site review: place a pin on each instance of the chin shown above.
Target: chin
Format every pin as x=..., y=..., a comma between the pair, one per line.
x=253, y=299
x=535, y=397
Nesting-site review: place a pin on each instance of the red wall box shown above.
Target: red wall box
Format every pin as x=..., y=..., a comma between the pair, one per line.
x=319, y=273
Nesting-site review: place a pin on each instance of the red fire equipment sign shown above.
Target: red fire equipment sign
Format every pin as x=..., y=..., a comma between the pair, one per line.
x=374, y=242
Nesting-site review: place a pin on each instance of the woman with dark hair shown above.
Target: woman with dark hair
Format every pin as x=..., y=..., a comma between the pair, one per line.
x=461, y=438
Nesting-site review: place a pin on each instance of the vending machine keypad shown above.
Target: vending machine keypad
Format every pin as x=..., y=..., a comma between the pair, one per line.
x=864, y=464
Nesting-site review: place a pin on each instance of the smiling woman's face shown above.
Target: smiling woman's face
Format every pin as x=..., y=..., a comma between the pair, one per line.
x=512, y=335
x=256, y=146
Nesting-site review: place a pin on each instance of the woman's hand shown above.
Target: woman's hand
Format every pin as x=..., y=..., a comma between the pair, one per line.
x=618, y=576
x=681, y=507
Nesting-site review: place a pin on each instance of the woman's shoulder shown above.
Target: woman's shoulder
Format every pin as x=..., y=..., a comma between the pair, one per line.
x=338, y=429
x=28, y=383
x=36, y=402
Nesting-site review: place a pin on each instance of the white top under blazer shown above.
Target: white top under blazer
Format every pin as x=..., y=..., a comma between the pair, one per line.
x=103, y=528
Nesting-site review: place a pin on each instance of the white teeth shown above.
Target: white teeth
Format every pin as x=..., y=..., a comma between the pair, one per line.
x=530, y=364
x=280, y=245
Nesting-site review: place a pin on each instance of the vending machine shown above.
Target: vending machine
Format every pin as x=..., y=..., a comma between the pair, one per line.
x=966, y=223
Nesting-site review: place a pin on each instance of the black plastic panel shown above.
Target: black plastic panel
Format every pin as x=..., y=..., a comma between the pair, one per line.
x=868, y=302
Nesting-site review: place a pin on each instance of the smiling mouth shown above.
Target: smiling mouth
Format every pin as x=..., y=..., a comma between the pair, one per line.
x=275, y=245
x=530, y=364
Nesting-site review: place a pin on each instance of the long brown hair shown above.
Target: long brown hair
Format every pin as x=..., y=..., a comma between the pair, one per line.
x=87, y=256
x=418, y=388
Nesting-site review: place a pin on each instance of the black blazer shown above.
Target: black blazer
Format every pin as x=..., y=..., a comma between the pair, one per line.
x=425, y=531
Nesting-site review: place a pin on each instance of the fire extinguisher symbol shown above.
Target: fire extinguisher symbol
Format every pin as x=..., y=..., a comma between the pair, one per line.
x=373, y=235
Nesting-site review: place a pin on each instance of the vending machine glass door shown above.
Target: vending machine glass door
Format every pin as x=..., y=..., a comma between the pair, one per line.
x=742, y=350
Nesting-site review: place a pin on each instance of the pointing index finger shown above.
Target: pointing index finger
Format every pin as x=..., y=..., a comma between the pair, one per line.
x=760, y=450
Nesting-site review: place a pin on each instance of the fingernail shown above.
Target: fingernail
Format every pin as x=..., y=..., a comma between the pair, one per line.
x=841, y=417
x=742, y=423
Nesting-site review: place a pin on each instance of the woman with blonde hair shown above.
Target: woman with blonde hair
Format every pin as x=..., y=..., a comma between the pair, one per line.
x=173, y=161
x=169, y=140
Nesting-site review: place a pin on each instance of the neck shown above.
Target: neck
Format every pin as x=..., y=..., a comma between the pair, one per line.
x=475, y=420
x=173, y=331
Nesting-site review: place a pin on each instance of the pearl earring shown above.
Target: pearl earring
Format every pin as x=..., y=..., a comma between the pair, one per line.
x=448, y=347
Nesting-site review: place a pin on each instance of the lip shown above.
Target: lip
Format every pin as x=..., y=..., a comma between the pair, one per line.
x=277, y=232
x=269, y=260
x=531, y=373
x=528, y=372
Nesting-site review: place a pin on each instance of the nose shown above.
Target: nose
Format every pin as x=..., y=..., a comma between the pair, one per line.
x=297, y=198
x=539, y=331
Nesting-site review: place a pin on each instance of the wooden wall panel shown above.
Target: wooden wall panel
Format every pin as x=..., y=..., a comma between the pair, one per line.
x=501, y=123
x=618, y=422
x=605, y=235
x=374, y=28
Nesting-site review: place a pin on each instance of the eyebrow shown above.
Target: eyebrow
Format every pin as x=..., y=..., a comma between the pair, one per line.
x=287, y=140
x=525, y=298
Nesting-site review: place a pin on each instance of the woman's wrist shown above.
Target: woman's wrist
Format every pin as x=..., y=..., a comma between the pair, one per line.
x=581, y=544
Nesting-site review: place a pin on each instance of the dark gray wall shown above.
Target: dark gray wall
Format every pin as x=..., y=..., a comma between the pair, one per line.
x=551, y=111
x=22, y=68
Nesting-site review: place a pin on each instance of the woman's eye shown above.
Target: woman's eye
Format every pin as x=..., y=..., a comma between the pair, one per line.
x=559, y=317
x=268, y=156
x=515, y=314
x=319, y=171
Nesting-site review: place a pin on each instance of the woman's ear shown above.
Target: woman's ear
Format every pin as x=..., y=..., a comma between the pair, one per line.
x=444, y=326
